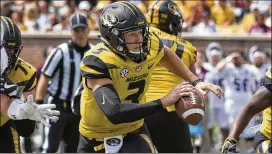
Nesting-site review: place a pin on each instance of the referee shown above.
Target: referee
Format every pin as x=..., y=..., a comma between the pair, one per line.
x=59, y=80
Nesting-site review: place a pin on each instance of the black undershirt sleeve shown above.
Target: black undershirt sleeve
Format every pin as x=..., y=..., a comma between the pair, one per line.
x=116, y=112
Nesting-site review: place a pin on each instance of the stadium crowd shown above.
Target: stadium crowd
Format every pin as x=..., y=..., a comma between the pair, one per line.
x=200, y=16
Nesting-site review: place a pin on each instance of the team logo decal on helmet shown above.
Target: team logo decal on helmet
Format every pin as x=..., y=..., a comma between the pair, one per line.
x=108, y=19
x=174, y=9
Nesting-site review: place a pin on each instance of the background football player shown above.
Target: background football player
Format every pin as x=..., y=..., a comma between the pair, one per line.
x=239, y=84
x=166, y=129
x=17, y=76
x=116, y=75
x=217, y=113
x=260, y=101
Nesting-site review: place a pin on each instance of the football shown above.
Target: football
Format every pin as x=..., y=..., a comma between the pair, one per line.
x=191, y=108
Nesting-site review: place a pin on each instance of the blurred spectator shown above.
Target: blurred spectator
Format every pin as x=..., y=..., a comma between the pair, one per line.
x=260, y=26
x=185, y=9
x=6, y=8
x=17, y=18
x=240, y=7
x=195, y=16
x=250, y=19
x=206, y=25
x=43, y=20
x=262, y=5
x=268, y=19
x=84, y=7
x=53, y=21
x=30, y=17
x=222, y=13
x=140, y=5
x=101, y=4
x=64, y=14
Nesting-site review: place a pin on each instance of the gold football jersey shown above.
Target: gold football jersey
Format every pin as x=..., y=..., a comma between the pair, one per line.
x=163, y=81
x=131, y=81
x=24, y=75
x=266, y=123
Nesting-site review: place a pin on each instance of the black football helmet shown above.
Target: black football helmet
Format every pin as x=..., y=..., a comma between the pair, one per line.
x=119, y=18
x=10, y=40
x=166, y=16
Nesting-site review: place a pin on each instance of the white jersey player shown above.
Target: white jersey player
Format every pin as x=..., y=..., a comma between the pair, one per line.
x=239, y=84
x=217, y=113
x=260, y=65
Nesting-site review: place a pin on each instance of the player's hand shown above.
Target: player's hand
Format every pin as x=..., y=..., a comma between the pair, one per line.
x=203, y=87
x=183, y=89
x=229, y=146
x=37, y=112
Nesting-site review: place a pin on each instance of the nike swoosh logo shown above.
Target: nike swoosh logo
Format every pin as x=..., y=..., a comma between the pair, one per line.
x=7, y=86
x=103, y=100
x=149, y=66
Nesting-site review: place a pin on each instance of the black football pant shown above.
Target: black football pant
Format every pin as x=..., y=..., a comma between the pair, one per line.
x=66, y=129
x=135, y=142
x=9, y=139
x=169, y=133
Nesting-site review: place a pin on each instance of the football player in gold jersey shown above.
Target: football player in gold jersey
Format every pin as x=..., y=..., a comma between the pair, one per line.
x=17, y=76
x=260, y=101
x=116, y=75
x=168, y=132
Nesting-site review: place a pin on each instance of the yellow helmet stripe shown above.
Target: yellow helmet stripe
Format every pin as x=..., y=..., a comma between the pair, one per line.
x=12, y=25
x=132, y=6
x=126, y=6
x=155, y=14
x=5, y=21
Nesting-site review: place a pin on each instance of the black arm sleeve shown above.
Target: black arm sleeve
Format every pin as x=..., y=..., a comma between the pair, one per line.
x=109, y=102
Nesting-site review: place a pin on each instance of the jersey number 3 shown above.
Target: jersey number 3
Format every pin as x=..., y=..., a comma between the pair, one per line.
x=133, y=85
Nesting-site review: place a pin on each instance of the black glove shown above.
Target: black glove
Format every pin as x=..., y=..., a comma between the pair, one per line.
x=39, y=102
x=229, y=146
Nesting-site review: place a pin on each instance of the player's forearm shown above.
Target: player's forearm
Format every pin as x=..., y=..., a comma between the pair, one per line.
x=41, y=87
x=221, y=65
x=117, y=112
x=175, y=65
x=258, y=102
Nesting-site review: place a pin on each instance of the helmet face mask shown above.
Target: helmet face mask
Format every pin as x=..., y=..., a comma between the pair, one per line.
x=142, y=46
x=118, y=19
x=10, y=40
x=13, y=54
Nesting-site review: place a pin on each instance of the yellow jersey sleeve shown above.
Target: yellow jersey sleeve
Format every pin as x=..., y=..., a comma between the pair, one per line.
x=24, y=75
x=93, y=67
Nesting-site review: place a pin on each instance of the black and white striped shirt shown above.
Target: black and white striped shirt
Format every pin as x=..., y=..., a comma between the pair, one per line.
x=63, y=67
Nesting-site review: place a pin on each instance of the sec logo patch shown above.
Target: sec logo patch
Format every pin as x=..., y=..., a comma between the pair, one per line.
x=124, y=72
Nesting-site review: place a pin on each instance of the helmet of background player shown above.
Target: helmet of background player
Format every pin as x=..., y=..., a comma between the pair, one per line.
x=119, y=18
x=10, y=40
x=166, y=16
x=214, y=49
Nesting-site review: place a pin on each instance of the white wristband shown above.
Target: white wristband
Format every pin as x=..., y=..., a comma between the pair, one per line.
x=15, y=110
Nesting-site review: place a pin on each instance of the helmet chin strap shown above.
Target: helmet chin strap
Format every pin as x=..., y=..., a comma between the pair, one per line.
x=4, y=60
